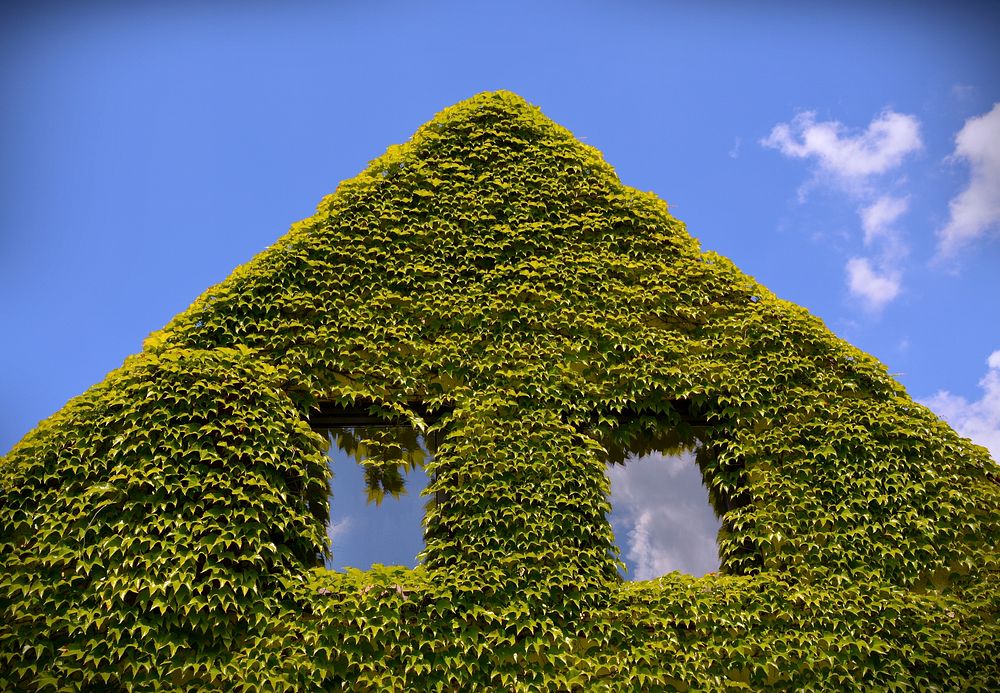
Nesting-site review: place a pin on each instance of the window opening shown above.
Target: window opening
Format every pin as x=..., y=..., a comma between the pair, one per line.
x=661, y=513
x=377, y=502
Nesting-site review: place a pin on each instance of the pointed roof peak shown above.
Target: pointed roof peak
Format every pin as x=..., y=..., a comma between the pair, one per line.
x=489, y=126
x=500, y=99
x=490, y=106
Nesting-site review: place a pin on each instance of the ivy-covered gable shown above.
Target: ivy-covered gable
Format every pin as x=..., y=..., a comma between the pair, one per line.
x=494, y=281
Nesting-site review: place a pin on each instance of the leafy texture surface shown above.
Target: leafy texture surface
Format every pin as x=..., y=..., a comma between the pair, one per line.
x=163, y=530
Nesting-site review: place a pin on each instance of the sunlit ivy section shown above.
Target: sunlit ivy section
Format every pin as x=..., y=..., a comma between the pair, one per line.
x=163, y=530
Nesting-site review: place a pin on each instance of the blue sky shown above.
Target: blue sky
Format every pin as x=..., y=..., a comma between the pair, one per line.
x=845, y=154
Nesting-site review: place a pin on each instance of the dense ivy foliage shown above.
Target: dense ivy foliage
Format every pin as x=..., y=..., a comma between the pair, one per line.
x=164, y=530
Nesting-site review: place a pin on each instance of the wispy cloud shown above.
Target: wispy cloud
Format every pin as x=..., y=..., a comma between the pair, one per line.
x=734, y=152
x=976, y=210
x=876, y=150
x=854, y=161
x=978, y=420
x=963, y=92
x=338, y=528
x=878, y=218
x=662, y=518
x=876, y=280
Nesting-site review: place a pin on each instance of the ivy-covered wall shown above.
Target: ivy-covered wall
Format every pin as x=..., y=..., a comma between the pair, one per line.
x=163, y=530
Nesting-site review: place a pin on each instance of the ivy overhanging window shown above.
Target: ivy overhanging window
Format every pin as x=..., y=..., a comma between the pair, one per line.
x=661, y=514
x=377, y=485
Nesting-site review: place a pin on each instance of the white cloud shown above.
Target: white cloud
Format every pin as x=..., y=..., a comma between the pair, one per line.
x=876, y=288
x=880, y=148
x=662, y=518
x=976, y=209
x=877, y=219
x=978, y=420
x=853, y=160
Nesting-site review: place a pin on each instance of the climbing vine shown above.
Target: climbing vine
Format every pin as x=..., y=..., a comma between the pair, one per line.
x=165, y=530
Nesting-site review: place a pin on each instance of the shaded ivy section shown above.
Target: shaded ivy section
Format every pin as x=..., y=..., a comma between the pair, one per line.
x=162, y=530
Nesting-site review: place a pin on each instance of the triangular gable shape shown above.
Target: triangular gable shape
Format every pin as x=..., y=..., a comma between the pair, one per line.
x=163, y=528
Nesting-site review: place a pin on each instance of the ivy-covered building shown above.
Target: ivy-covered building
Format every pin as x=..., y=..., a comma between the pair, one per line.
x=492, y=282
